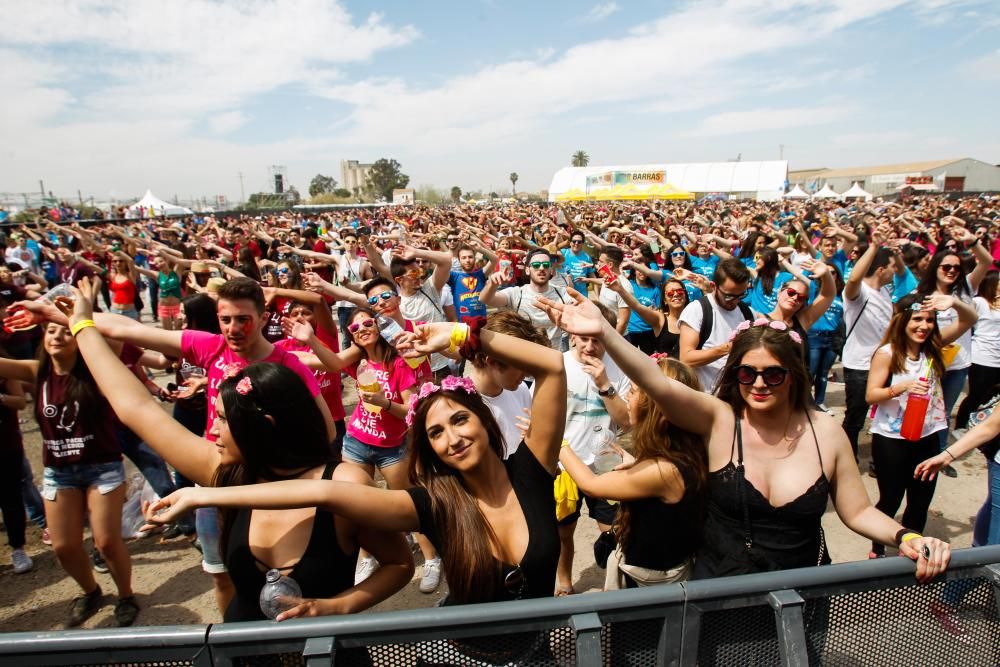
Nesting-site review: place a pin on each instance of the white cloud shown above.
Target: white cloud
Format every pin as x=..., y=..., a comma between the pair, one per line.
x=224, y=123
x=759, y=120
x=984, y=68
x=602, y=11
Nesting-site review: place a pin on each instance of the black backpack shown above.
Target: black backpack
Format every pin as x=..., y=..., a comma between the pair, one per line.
x=708, y=318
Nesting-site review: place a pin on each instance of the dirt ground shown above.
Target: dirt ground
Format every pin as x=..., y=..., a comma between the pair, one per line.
x=172, y=589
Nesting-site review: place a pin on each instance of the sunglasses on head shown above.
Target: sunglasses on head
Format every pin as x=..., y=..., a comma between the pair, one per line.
x=385, y=296
x=791, y=293
x=540, y=265
x=773, y=375
x=355, y=326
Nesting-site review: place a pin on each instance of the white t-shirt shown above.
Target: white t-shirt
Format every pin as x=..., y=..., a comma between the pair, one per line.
x=522, y=300
x=888, y=419
x=349, y=271
x=613, y=299
x=425, y=306
x=963, y=359
x=723, y=323
x=986, y=335
x=587, y=418
x=506, y=407
x=867, y=334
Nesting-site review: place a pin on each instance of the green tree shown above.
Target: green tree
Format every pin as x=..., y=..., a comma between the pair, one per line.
x=386, y=176
x=321, y=184
x=581, y=159
x=456, y=193
x=428, y=194
x=513, y=183
x=341, y=192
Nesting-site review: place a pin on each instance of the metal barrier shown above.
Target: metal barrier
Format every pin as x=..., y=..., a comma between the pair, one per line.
x=863, y=613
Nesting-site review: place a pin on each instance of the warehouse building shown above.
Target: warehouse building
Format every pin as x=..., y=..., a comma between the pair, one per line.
x=955, y=175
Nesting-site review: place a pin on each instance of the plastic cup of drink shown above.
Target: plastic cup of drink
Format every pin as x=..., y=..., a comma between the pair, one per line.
x=368, y=382
x=414, y=362
x=949, y=352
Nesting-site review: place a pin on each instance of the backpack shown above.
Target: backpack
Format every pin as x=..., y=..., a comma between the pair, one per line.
x=978, y=416
x=708, y=318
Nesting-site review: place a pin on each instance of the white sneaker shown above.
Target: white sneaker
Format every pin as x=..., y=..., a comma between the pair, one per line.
x=366, y=568
x=22, y=561
x=431, y=578
x=822, y=406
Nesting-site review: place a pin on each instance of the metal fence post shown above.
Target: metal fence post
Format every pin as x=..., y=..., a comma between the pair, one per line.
x=319, y=652
x=690, y=635
x=787, y=607
x=672, y=637
x=588, y=639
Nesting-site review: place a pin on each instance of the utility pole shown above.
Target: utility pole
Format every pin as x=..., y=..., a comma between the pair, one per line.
x=41, y=186
x=79, y=196
x=243, y=196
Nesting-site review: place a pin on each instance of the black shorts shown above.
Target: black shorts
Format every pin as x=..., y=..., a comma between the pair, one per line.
x=600, y=510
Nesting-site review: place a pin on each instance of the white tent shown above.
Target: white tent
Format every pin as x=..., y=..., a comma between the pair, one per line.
x=796, y=193
x=152, y=206
x=857, y=192
x=826, y=193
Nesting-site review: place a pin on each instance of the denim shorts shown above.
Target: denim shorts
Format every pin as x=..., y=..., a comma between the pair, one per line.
x=356, y=451
x=206, y=521
x=105, y=476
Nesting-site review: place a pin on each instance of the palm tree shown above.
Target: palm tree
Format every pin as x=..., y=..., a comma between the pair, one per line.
x=456, y=193
x=581, y=159
x=513, y=183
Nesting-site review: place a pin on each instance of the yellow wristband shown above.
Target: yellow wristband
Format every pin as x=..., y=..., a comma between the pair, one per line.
x=910, y=536
x=80, y=326
x=459, y=334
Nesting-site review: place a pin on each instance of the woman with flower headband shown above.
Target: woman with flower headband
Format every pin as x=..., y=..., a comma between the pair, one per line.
x=773, y=460
x=792, y=305
x=493, y=520
x=910, y=363
x=258, y=406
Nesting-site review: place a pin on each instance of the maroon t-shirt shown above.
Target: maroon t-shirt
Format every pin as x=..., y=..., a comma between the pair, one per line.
x=71, y=435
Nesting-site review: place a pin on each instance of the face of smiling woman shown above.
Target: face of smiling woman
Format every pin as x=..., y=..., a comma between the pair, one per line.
x=759, y=396
x=456, y=434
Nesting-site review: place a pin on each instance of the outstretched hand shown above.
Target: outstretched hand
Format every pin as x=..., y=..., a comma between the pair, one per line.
x=931, y=555
x=425, y=339
x=84, y=295
x=582, y=317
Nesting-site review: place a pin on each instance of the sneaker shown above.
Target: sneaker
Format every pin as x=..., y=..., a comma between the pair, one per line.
x=98, y=560
x=170, y=532
x=126, y=611
x=431, y=578
x=84, y=607
x=948, y=617
x=822, y=406
x=949, y=471
x=22, y=562
x=46, y=538
x=366, y=568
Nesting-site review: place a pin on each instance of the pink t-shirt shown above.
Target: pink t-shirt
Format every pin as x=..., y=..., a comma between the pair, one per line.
x=329, y=383
x=382, y=429
x=211, y=353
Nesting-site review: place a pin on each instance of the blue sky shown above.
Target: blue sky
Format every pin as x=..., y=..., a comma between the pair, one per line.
x=114, y=97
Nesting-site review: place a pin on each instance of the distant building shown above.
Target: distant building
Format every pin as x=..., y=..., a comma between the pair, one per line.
x=954, y=175
x=354, y=175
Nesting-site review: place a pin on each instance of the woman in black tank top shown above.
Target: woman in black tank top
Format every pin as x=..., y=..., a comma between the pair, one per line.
x=764, y=510
x=268, y=428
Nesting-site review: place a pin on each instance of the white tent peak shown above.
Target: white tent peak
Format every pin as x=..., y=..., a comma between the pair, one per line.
x=826, y=193
x=857, y=192
x=153, y=206
x=796, y=193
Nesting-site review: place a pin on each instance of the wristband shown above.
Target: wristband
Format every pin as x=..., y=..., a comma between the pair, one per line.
x=459, y=334
x=905, y=535
x=80, y=326
x=892, y=392
x=949, y=453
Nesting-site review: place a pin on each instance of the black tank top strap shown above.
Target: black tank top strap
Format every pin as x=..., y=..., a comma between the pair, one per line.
x=742, y=484
x=816, y=442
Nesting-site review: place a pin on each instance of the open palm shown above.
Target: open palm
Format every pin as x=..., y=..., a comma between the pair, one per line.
x=582, y=317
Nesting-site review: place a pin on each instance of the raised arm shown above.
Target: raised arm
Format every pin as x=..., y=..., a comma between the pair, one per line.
x=651, y=316
x=692, y=410
x=967, y=315
x=827, y=293
x=853, y=286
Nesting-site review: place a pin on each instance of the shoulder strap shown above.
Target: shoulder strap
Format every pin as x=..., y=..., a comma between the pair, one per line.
x=745, y=309
x=856, y=319
x=433, y=302
x=707, y=320
x=558, y=294
x=742, y=482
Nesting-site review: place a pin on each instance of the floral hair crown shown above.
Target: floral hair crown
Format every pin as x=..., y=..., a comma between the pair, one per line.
x=244, y=386
x=450, y=383
x=777, y=325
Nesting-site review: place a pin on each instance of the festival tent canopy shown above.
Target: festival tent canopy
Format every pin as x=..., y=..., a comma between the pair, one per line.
x=797, y=193
x=151, y=206
x=857, y=192
x=826, y=193
x=574, y=194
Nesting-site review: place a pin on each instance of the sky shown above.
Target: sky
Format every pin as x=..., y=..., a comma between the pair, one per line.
x=113, y=97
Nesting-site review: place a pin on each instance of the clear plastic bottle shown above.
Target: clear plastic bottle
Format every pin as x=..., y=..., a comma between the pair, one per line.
x=608, y=457
x=388, y=328
x=279, y=594
x=368, y=382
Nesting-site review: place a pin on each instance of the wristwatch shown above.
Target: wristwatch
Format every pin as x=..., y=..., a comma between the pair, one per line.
x=607, y=393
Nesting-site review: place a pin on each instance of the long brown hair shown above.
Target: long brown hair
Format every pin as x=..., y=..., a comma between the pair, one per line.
x=468, y=554
x=783, y=348
x=895, y=337
x=653, y=436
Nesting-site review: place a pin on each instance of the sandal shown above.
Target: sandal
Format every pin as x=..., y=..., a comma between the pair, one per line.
x=563, y=591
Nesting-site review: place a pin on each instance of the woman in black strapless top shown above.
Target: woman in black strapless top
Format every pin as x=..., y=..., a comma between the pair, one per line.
x=665, y=322
x=764, y=509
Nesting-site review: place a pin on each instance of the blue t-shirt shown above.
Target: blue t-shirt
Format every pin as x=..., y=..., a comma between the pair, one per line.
x=574, y=269
x=764, y=303
x=903, y=285
x=694, y=292
x=465, y=288
x=830, y=320
x=839, y=260
x=649, y=296
x=704, y=267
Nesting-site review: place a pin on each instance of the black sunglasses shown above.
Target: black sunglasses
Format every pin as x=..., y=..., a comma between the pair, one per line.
x=515, y=582
x=726, y=296
x=951, y=268
x=773, y=375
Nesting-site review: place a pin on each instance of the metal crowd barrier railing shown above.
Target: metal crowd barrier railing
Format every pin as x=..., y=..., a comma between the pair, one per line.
x=862, y=613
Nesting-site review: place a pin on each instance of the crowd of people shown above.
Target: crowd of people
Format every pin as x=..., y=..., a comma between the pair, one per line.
x=664, y=363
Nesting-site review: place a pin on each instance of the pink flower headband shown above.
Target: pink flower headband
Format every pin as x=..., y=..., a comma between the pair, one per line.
x=450, y=383
x=777, y=325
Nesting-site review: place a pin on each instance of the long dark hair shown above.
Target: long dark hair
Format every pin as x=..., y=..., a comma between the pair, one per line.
x=200, y=313
x=389, y=352
x=687, y=258
x=928, y=283
x=80, y=385
x=895, y=336
x=768, y=270
x=988, y=287
x=247, y=264
x=781, y=346
x=654, y=436
x=276, y=425
x=467, y=555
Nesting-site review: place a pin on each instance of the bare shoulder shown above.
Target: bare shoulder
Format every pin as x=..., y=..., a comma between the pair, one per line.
x=830, y=435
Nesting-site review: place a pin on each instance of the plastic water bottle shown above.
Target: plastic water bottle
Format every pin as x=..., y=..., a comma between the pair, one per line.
x=279, y=594
x=607, y=458
x=368, y=382
x=62, y=289
x=388, y=328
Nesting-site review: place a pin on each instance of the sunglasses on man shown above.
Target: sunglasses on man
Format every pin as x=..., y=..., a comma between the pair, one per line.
x=540, y=265
x=385, y=296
